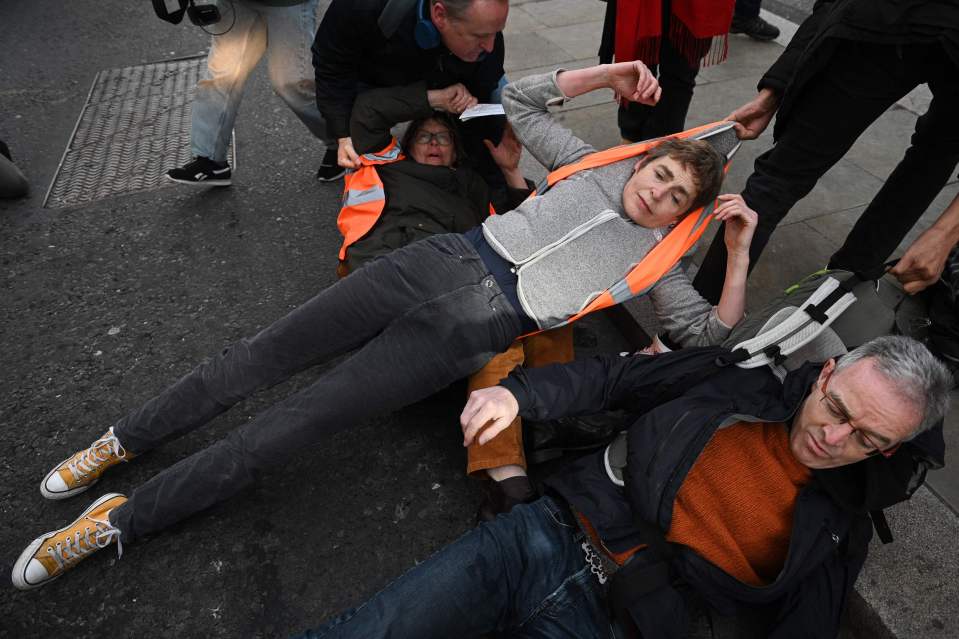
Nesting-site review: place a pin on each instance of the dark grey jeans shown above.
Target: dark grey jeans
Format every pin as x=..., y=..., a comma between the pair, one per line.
x=417, y=319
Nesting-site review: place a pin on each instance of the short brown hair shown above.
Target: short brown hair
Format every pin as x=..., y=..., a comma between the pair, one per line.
x=699, y=158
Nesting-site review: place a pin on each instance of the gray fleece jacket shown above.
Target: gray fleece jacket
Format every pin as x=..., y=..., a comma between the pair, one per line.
x=575, y=241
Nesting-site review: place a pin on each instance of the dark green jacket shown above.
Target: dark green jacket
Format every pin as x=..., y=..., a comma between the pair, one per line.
x=421, y=200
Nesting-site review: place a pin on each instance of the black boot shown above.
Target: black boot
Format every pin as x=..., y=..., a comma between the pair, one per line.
x=755, y=27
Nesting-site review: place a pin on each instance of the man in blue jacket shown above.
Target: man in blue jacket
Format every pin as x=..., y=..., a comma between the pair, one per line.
x=759, y=490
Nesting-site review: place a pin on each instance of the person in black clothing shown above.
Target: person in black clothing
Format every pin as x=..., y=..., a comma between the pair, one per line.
x=12, y=182
x=849, y=62
x=362, y=44
x=758, y=487
x=433, y=190
x=675, y=49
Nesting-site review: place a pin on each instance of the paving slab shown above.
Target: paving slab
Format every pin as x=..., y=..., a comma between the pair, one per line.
x=531, y=50
x=911, y=584
x=520, y=21
x=577, y=40
x=558, y=13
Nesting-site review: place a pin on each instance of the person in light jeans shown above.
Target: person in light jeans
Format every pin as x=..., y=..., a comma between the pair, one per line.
x=281, y=29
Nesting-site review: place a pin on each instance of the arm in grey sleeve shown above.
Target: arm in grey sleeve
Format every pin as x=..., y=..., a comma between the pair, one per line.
x=684, y=314
x=526, y=103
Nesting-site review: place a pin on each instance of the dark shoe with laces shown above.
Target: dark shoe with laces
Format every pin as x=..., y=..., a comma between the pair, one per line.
x=501, y=496
x=755, y=27
x=202, y=172
x=329, y=170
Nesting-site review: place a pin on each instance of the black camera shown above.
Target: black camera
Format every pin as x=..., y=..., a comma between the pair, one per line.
x=200, y=15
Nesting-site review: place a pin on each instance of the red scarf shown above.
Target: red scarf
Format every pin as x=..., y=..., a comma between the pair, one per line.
x=697, y=28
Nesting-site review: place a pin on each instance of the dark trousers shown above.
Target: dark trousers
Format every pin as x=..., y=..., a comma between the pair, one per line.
x=677, y=79
x=747, y=8
x=416, y=320
x=855, y=87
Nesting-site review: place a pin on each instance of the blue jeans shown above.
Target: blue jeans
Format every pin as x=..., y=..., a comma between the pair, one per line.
x=522, y=575
x=285, y=35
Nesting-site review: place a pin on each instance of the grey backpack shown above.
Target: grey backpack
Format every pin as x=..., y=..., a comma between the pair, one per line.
x=823, y=316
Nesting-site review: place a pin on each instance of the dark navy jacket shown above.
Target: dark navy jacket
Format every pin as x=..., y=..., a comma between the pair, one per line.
x=351, y=54
x=675, y=403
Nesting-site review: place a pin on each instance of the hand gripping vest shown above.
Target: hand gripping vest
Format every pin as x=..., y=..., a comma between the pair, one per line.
x=657, y=262
x=363, y=195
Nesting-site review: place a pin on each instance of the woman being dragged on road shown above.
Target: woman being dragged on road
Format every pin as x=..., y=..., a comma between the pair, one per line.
x=420, y=317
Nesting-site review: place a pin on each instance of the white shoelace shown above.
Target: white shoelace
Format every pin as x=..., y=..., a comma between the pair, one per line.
x=75, y=548
x=98, y=453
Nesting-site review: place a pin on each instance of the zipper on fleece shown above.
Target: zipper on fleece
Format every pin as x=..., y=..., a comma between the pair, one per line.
x=602, y=218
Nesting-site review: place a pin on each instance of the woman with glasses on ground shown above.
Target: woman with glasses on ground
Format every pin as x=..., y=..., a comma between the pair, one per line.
x=433, y=189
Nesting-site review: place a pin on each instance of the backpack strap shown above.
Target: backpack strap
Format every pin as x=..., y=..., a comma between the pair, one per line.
x=881, y=525
x=801, y=327
x=392, y=15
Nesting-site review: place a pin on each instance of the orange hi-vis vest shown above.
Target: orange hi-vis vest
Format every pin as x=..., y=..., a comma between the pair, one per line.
x=363, y=196
x=657, y=262
x=364, y=200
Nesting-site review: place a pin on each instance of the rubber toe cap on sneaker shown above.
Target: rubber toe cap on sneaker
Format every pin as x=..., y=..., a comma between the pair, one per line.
x=54, y=487
x=28, y=573
x=34, y=574
x=54, y=484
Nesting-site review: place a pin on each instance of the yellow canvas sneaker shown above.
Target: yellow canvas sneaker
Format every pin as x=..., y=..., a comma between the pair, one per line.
x=52, y=554
x=82, y=469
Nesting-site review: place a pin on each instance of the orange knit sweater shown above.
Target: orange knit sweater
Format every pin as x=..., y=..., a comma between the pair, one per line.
x=735, y=507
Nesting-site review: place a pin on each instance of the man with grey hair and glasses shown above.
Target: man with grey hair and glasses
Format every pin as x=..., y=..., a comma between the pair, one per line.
x=728, y=487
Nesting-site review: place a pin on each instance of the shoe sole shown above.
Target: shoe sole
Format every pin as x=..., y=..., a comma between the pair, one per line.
x=210, y=182
x=20, y=566
x=66, y=494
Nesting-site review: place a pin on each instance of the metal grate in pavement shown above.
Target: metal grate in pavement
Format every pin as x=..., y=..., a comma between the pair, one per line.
x=134, y=126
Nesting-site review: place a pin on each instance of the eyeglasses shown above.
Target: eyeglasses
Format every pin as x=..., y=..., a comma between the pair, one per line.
x=443, y=138
x=842, y=417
